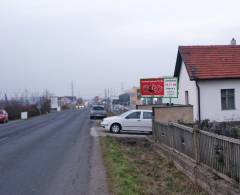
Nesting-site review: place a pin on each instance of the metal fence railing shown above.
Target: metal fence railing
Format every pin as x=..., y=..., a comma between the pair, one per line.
x=218, y=152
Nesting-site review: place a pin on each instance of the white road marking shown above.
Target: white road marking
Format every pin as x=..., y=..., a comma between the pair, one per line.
x=3, y=139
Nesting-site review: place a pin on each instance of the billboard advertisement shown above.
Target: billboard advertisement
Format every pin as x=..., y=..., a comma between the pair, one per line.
x=54, y=102
x=159, y=87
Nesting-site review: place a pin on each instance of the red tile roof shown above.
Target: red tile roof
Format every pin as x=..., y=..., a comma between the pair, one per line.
x=209, y=62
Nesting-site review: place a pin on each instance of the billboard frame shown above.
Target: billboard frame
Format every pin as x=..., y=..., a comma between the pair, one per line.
x=159, y=78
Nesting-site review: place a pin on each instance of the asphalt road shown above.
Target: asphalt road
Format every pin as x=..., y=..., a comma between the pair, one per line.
x=46, y=155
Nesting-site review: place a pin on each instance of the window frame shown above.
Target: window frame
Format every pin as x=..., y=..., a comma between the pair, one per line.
x=225, y=93
x=186, y=97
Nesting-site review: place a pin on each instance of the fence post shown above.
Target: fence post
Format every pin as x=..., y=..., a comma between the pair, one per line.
x=196, y=150
x=154, y=126
x=171, y=130
x=196, y=143
x=154, y=130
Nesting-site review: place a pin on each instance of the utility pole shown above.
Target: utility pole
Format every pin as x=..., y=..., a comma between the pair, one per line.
x=72, y=89
x=105, y=93
x=6, y=98
x=122, y=87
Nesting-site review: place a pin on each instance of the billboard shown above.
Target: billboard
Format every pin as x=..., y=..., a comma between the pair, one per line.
x=54, y=102
x=159, y=87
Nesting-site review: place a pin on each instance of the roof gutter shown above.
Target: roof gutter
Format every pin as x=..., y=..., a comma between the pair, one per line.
x=199, y=102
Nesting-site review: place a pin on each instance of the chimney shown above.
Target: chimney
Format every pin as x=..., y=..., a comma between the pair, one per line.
x=233, y=41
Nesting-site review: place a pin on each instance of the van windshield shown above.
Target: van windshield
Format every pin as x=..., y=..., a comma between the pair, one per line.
x=98, y=108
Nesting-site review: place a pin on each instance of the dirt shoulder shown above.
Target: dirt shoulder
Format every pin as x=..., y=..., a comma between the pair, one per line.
x=98, y=183
x=133, y=167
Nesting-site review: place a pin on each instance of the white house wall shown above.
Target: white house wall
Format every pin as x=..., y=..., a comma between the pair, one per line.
x=185, y=84
x=210, y=93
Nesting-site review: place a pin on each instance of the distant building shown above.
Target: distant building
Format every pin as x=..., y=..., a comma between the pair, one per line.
x=209, y=79
x=67, y=100
x=124, y=99
x=55, y=103
x=130, y=98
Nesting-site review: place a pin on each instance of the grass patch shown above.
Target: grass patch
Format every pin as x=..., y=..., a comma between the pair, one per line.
x=118, y=168
x=134, y=168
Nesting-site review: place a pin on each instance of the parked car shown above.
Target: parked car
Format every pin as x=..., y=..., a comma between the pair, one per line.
x=98, y=111
x=3, y=116
x=134, y=120
x=78, y=107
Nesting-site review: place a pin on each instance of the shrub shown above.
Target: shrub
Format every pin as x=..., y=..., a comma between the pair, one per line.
x=14, y=110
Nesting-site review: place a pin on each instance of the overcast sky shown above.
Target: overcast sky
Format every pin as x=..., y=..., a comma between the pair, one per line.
x=100, y=44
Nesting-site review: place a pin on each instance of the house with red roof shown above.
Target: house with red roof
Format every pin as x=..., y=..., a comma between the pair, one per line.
x=209, y=79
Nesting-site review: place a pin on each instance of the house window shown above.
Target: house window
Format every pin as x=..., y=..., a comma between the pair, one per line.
x=227, y=99
x=186, y=98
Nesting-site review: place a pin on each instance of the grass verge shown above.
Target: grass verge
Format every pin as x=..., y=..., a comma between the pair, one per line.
x=134, y=168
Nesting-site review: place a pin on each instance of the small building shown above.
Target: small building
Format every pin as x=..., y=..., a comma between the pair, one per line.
x=68, y=100
x=124, y=99
x=209, y=79
x=130, y=98
x=55, y=103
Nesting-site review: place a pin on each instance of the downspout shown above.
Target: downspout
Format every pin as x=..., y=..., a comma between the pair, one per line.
x=199, y=102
